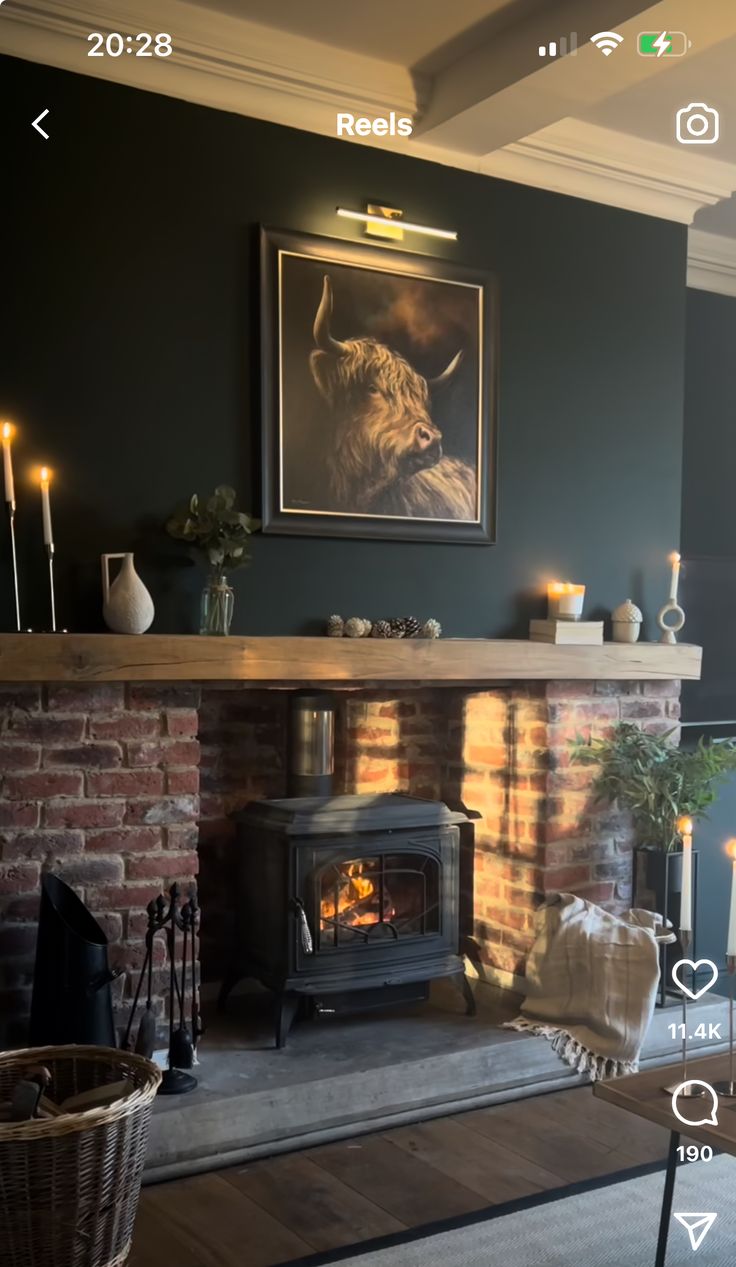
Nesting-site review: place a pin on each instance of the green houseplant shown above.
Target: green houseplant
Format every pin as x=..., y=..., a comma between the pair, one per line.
x=654, y=780
x=657, y=782
x=216, y=529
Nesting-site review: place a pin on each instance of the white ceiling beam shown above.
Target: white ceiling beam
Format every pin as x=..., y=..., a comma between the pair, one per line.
x=711, y=262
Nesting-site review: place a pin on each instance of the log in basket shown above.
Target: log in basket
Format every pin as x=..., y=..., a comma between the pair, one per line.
x=69, y=1185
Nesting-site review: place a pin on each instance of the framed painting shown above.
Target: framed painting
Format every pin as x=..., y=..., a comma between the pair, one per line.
x=379, y=400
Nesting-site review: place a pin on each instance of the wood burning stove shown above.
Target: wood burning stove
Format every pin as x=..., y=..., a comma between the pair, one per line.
x=347, y=902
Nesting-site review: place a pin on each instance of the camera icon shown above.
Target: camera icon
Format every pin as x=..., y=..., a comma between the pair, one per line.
x=697, y=124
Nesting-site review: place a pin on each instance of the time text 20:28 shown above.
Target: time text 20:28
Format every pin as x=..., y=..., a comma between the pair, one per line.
x=114, y=44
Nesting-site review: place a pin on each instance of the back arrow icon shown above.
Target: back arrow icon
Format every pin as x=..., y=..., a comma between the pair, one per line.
x=36, y=123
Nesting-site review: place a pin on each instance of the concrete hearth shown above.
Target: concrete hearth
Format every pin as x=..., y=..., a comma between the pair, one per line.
x=338, y=1078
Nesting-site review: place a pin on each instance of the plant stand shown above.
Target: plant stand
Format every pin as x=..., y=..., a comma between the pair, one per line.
x=658, y=887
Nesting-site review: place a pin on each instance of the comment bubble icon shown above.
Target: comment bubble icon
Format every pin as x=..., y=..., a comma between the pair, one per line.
x=706, y=1108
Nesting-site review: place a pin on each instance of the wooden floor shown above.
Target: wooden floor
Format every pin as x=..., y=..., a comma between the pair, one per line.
x=340, y=1194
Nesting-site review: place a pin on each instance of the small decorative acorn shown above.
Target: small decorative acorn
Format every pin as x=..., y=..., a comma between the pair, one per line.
x=335, y=626
x=626, y=621
x=431, y=629
x=412, y=627
x=398, y=627
x=381, y=629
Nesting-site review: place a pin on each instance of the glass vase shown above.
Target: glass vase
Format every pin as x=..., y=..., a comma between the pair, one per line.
x=218, y=603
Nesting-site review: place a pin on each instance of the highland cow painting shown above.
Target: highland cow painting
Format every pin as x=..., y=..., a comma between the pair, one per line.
x=378, y=392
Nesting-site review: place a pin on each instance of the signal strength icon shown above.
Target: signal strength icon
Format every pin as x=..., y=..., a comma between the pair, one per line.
x=607, y=41
x=558, y=48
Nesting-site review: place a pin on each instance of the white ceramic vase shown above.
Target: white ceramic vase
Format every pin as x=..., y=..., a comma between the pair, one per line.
x=127, y=606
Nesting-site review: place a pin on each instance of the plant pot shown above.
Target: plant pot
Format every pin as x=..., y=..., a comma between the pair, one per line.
x=658, y=887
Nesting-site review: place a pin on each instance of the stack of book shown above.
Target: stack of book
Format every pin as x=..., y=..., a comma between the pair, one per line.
x=567, y=633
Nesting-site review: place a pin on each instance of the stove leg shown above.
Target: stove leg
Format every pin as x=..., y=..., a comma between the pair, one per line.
x=286, y=1008
x=465, y=988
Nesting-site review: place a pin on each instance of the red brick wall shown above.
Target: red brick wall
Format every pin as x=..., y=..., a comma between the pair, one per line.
x=124, y=789
x=99, y=783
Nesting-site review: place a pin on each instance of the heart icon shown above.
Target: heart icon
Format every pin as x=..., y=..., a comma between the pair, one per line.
x=693, y=965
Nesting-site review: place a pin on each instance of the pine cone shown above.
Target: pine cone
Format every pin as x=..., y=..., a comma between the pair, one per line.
x=381, y=629
x=398, y=627
x=412, y=627
x=431, y=629
x=335, y=626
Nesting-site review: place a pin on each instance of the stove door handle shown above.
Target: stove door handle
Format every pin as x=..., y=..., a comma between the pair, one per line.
x=305, y=935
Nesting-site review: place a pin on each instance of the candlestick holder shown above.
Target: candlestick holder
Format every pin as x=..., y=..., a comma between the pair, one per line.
x=52, y=594
x=11, y=520
x=691, y=1092
x=672, y=628
x=727, y=1090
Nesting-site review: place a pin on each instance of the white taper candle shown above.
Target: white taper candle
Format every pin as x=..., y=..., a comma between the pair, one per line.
x=674, y=579
x=731, y=939
x=685, y=827
x=8, y=462
x=48, y=535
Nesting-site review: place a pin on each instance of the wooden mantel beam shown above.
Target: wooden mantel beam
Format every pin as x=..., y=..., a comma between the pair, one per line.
x=329, y=661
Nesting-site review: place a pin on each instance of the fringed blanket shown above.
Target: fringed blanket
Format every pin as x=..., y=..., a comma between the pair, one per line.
x=592, y=982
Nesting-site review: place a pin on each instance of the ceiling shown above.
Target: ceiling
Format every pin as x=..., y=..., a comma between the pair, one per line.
x=468, y=73
x=414, y=34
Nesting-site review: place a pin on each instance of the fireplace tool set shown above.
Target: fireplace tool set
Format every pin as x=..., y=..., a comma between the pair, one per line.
x=168, y=918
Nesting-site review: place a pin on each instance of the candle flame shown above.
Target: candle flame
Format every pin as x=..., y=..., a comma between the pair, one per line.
x=730, y=847
x=7, y=430
x=674, y=557
x=556, y=588
x=685, y=826
x=45, y=475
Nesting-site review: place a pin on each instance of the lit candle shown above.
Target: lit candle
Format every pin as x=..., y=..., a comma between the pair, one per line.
x=48, y=536
x=564, y=600
x=675, y=561
x=685, y=828
x=8, y=463
x=731, y=939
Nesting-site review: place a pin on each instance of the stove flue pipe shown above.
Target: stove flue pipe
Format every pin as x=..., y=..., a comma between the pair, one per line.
x=311, y=744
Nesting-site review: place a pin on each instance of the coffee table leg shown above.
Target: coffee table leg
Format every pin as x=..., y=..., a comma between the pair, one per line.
x=669, y=1189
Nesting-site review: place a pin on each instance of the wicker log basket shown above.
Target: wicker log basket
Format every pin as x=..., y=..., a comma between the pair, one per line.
x=69, y=1185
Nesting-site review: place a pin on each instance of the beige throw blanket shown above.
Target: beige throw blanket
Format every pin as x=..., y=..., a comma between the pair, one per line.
x=592, y=982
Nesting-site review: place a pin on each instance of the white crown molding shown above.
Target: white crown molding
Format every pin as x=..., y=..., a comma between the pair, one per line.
x=601, y=165
x=218, y=61
x=711, y=262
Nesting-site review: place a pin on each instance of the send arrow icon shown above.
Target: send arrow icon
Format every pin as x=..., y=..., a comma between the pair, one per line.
x=697, y=1226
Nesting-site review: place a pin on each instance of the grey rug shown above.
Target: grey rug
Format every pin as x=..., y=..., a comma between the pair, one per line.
x=611, y=1226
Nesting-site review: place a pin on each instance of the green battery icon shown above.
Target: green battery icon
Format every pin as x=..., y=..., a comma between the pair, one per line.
x=661, y=43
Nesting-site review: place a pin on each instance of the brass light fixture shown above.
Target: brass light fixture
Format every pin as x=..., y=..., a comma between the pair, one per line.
x=388, y=223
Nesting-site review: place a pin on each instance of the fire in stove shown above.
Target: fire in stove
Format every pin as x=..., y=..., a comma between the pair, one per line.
x=352, y=898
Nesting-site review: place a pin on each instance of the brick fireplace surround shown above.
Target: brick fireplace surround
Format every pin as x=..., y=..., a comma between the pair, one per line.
x=124, y=788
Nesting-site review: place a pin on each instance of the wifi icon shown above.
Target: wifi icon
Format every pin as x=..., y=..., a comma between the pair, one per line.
x=607, y=41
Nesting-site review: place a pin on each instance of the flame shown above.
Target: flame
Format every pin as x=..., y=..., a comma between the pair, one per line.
x=685, y=826
x=354, y=907
x=8, y=431
x=45, y=475
x=731, y=848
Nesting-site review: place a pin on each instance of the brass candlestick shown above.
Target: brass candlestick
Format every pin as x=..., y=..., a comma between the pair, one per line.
x=11, y=519
x=691, y=1092
x=727, y=1090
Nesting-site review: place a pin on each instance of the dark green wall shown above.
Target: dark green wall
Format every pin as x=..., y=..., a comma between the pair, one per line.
x=709, y=450
x=130, y=361
x=709, y=586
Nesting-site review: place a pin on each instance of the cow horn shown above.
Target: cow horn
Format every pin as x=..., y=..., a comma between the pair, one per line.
x=447, y=374
x=322, y=336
